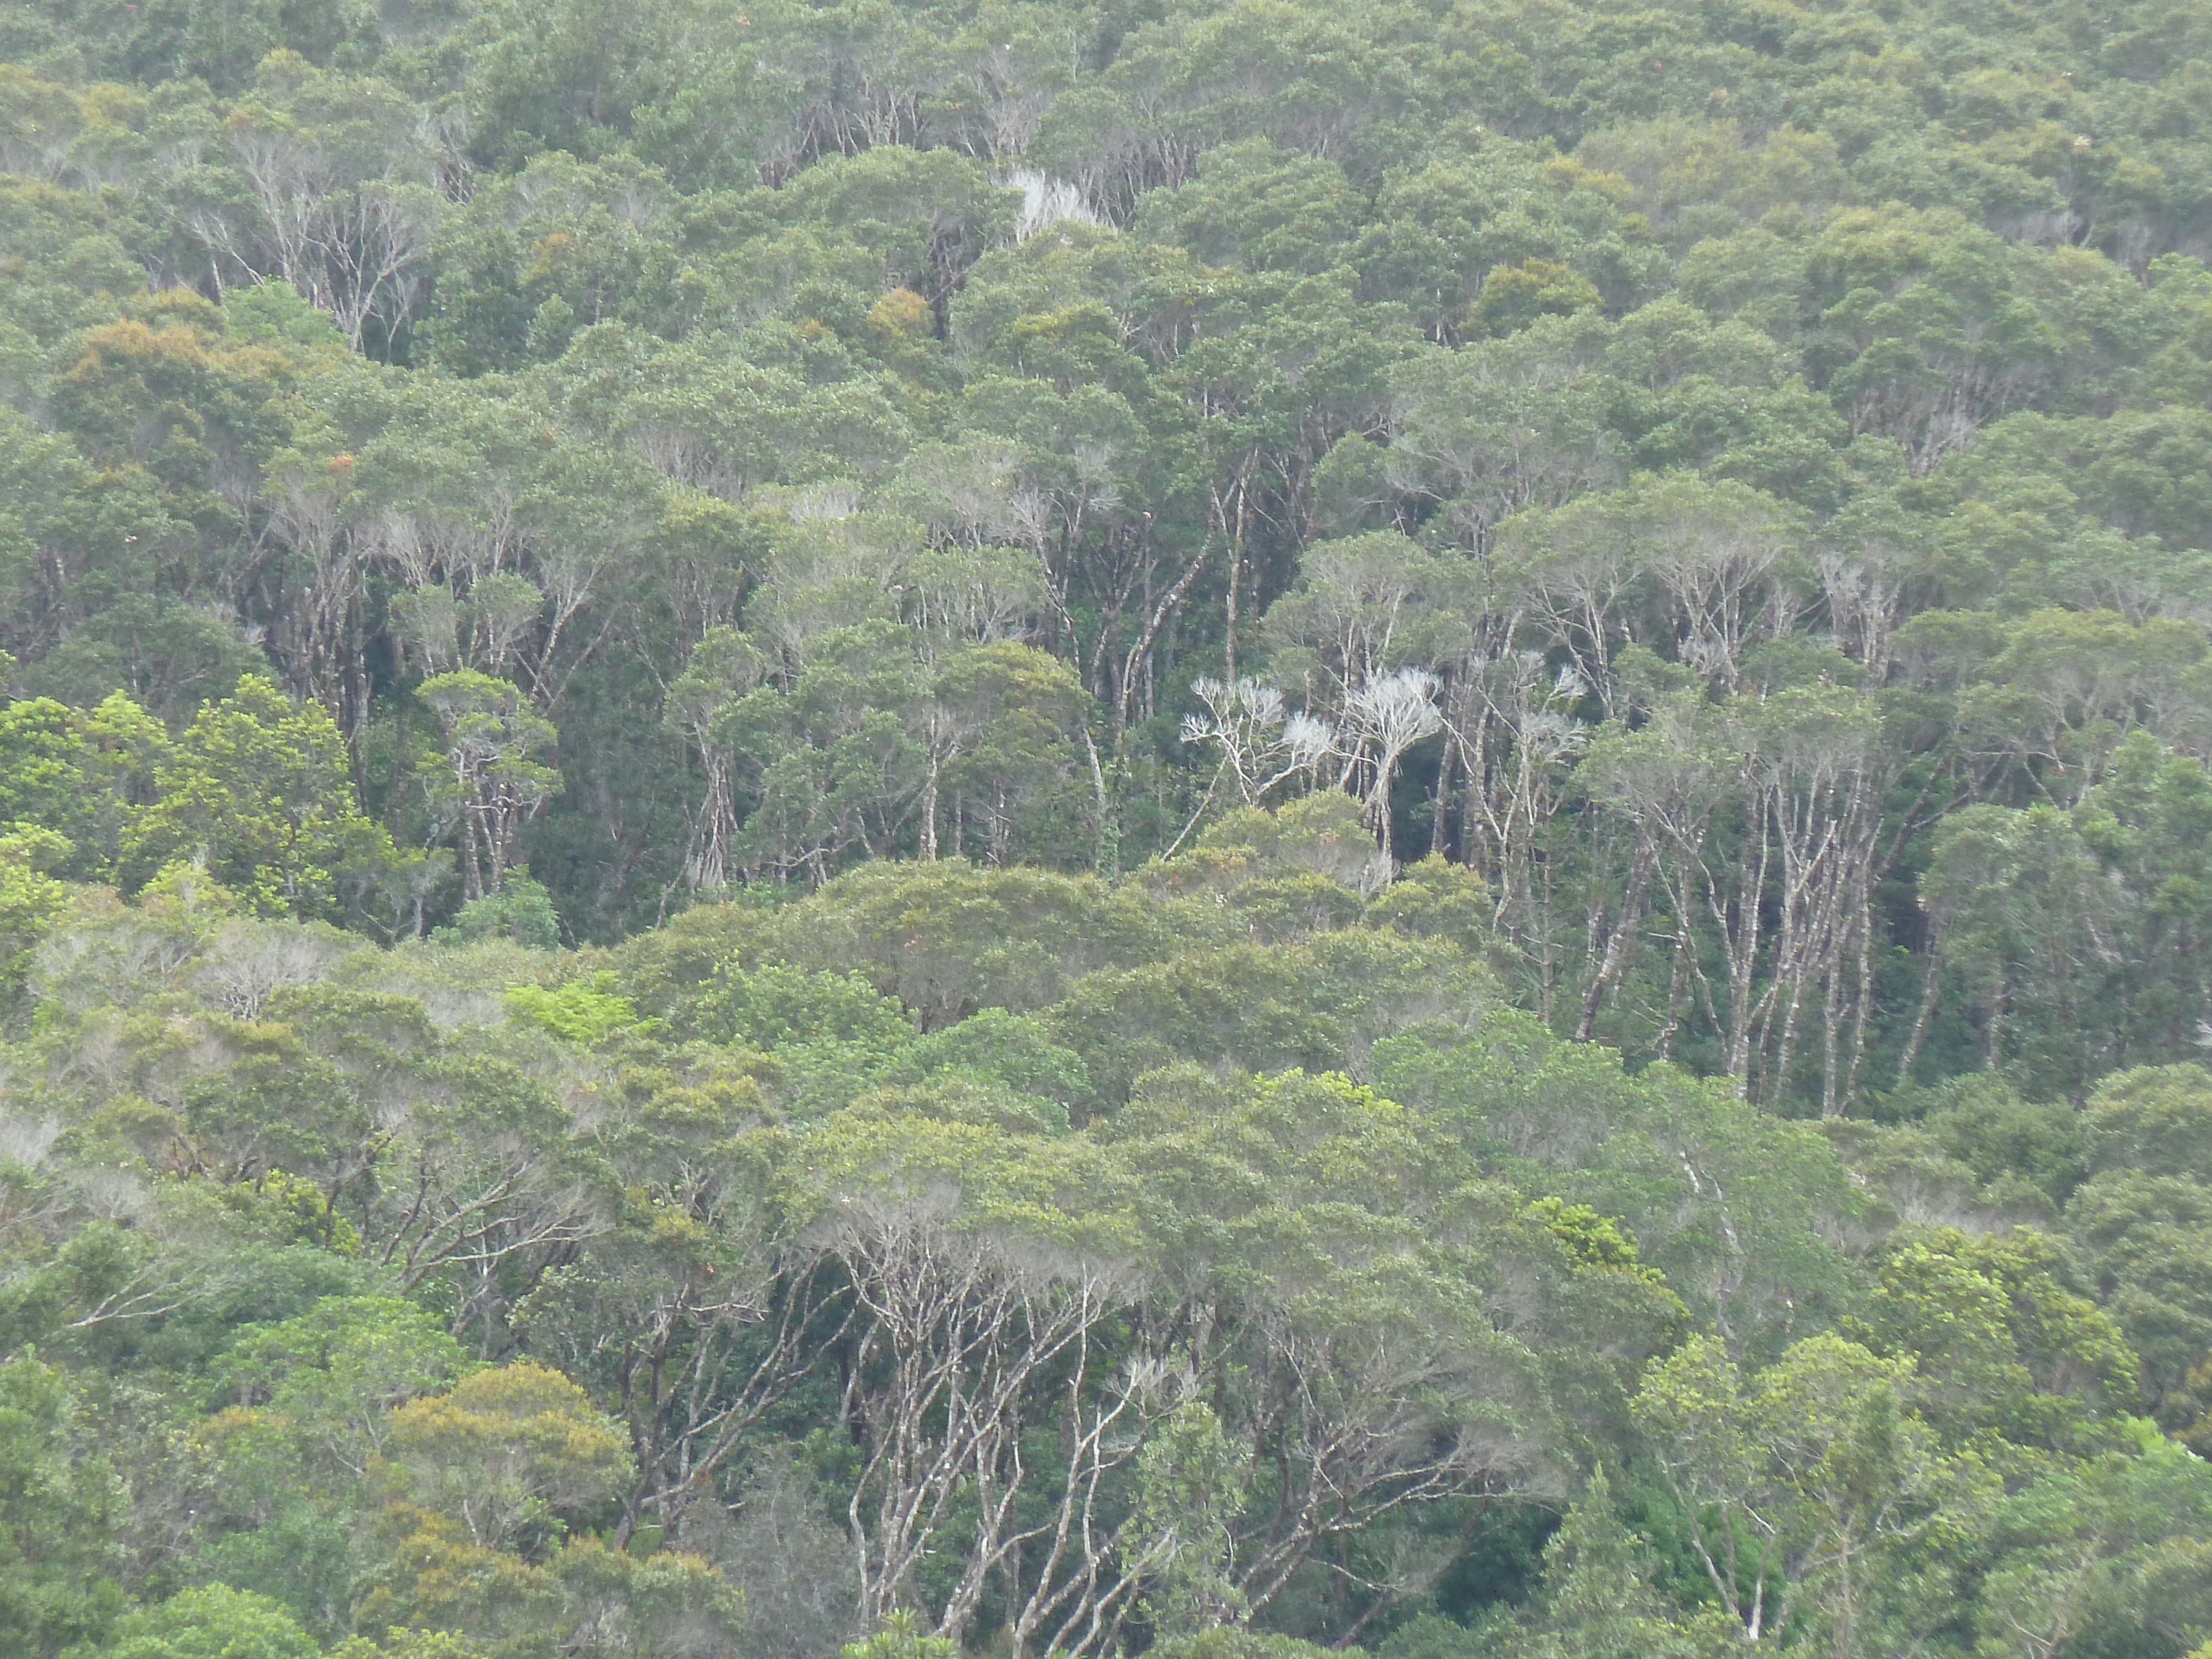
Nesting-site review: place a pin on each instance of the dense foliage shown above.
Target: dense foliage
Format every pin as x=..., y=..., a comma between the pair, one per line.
x=1099, y=827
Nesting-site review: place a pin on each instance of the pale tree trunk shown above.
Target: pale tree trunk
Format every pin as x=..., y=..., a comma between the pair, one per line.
x=1619, y=943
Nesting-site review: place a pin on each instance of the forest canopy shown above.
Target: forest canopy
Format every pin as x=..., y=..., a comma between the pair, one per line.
x=1088, y=829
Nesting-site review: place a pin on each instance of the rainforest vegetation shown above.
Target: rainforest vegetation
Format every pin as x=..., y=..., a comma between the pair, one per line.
x=1221, y=827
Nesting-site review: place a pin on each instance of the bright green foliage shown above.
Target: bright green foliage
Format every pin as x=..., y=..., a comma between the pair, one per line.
x=899, y=1639
x=581, y=1011
x=1237, y=1642
x=520, y=910
x=30, y=899
x=1806, y=1489
x=400, y=1644
x=334, y=1371
x=2003, y=1341
x=217, y=1622
x=69, y=784
x=775, y=1008
x=40, y=755
x=506, y=1451
x=258, y=791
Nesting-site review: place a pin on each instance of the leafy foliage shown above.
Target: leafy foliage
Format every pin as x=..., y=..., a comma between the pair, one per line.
x=1221, y=827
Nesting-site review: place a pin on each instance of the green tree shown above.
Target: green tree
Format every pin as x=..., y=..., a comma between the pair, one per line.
x=217, y=1622
x=61, y=1504
x=518, y=909
x=263, y=792
x=1192, y=1483
x=509, y=1453
x=1598, y=1600
x=1999, y=1339
x=30, y=900
x=1795, y=1490
x=494, y=783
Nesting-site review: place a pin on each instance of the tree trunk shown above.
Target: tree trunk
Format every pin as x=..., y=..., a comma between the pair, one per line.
x=1617, y=944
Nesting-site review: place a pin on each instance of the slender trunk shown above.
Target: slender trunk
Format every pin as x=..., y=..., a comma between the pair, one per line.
x=1545, y=994
x=497, y=832
x=1796, y=948
x=1440, y=806
x=471, y=873
x=1863, y=999
x=1831, y=1019
x=1615, y=961
x=1930, y=989
x=357, y=699
x=1837, y=1095
x=1236, y=574
x=1106, y=846
x=1677, y=986
x=1687, y=976
x=1846, y=1639
x=1743, y=934
x=1140, y=653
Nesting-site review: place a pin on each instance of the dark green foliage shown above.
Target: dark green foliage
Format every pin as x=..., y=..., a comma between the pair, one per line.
x=60, y=1504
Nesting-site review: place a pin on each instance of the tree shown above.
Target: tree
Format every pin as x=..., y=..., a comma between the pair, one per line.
x=1999, y=1339
x=722, y=668
x=973, y=1289
x=518, y=908
x=1317, y=1236
x=1598, y=1599
x=1192, y=1483
x=1264, y=746
x=217, y=1622
x=2056, y=921
x=2140, y=1222
x=1000, y=716
x=335, y=1372
x=344, y=191
x=494, y=783
x=1792, y=1489
x=59, y=1499
x=510, y=1454
x=263, y=792
x=2097, y=1539
x=1664, y=527
x=30, y=900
